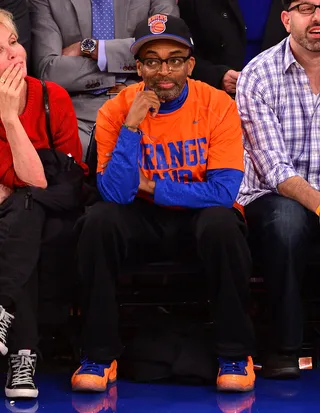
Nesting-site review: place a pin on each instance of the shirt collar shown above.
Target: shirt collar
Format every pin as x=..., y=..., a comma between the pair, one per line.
x=289, y=58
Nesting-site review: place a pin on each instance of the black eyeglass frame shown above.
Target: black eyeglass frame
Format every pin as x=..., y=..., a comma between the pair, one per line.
x=315, y=7
x=166, y=61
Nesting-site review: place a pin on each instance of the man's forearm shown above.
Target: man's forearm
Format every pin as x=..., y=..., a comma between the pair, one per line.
x=301, y=191
x=26, y=162
x=119, y=182
x=221, y=189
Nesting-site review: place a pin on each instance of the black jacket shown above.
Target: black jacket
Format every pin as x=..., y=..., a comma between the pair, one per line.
x=219, y=35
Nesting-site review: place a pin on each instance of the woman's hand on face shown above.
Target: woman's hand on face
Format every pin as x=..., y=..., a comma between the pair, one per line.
x=11, y=86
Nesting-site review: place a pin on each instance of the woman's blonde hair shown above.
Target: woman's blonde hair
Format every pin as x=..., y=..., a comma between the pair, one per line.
x=6, y=18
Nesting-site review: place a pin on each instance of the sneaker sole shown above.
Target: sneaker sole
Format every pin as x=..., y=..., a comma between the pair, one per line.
x=88, y=385
x=21, y=393
x=234, y=387
x=3, y=349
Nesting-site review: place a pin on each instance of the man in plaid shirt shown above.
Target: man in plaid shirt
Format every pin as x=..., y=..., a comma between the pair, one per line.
x=279, y=103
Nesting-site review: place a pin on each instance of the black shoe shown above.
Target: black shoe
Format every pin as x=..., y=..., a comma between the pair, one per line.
x=20, y=382
x=5, y=323
x=281, y=366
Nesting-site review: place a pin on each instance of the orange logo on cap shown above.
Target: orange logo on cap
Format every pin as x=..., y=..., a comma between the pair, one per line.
x=157, y=23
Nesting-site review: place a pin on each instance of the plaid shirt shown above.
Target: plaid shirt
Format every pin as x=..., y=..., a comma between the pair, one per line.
x=281, y=123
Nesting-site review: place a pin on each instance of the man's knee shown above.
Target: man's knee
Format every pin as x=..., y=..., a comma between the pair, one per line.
x=282, y=219
x=218, y=223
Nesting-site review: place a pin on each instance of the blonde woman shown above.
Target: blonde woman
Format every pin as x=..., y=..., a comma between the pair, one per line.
x=26, y=225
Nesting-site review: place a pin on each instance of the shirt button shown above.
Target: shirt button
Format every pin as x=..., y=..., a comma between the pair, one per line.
x=222, y=45
x=225, y=15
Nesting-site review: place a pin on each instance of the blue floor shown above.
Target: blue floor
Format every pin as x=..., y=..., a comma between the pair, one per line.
x=270, y=396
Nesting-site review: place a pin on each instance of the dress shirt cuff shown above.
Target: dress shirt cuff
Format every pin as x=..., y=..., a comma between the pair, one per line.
x=102, y=56
x=280, y=174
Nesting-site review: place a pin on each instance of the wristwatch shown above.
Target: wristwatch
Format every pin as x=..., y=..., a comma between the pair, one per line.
x=88, y=46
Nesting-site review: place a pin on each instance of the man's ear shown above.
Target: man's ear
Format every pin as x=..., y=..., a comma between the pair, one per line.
x=286, y=20
x=139, y=67
x=191, y=65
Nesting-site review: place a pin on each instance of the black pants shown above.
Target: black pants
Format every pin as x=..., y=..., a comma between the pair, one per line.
x=34, y=244
x=281, y=231
x=109, y=233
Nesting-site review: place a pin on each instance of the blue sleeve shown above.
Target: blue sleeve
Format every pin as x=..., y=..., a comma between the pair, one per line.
x=120, y=181
x=220, y=189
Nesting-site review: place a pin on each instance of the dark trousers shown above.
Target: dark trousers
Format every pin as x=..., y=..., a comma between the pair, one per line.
x=109, y=233
x=28, y=238
x=280, y=232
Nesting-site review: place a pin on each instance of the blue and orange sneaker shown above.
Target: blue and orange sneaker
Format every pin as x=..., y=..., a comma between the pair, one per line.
x=235, y=375
x=92, y=376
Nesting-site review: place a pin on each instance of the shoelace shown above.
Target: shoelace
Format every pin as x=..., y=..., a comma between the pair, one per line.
x=22, y=369
x=233, y=367
x=89, y=367
x=5, y=322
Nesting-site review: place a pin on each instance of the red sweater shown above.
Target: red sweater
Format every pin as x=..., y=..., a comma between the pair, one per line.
x=64, y=128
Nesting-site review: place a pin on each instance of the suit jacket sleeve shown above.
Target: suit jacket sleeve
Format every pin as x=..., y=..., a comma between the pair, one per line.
x=72, y=73
x=118, y=50
x=164, y=7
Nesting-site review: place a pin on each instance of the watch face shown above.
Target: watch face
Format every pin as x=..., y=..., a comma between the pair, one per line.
x=88, y=45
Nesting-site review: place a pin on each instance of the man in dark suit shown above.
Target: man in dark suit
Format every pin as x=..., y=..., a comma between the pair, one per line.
x=228, y=34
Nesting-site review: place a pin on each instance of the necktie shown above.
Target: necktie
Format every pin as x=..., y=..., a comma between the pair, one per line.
x=102, y=19
x=102, y=24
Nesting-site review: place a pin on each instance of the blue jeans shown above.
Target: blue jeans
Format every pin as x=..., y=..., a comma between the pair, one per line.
x=280, y=233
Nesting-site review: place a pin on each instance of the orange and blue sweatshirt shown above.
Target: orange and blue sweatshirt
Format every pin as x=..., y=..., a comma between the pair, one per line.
x=192, y=149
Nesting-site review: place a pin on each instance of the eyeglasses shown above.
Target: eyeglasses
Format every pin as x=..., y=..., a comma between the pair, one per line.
x=305, y=8
x=173, y=63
